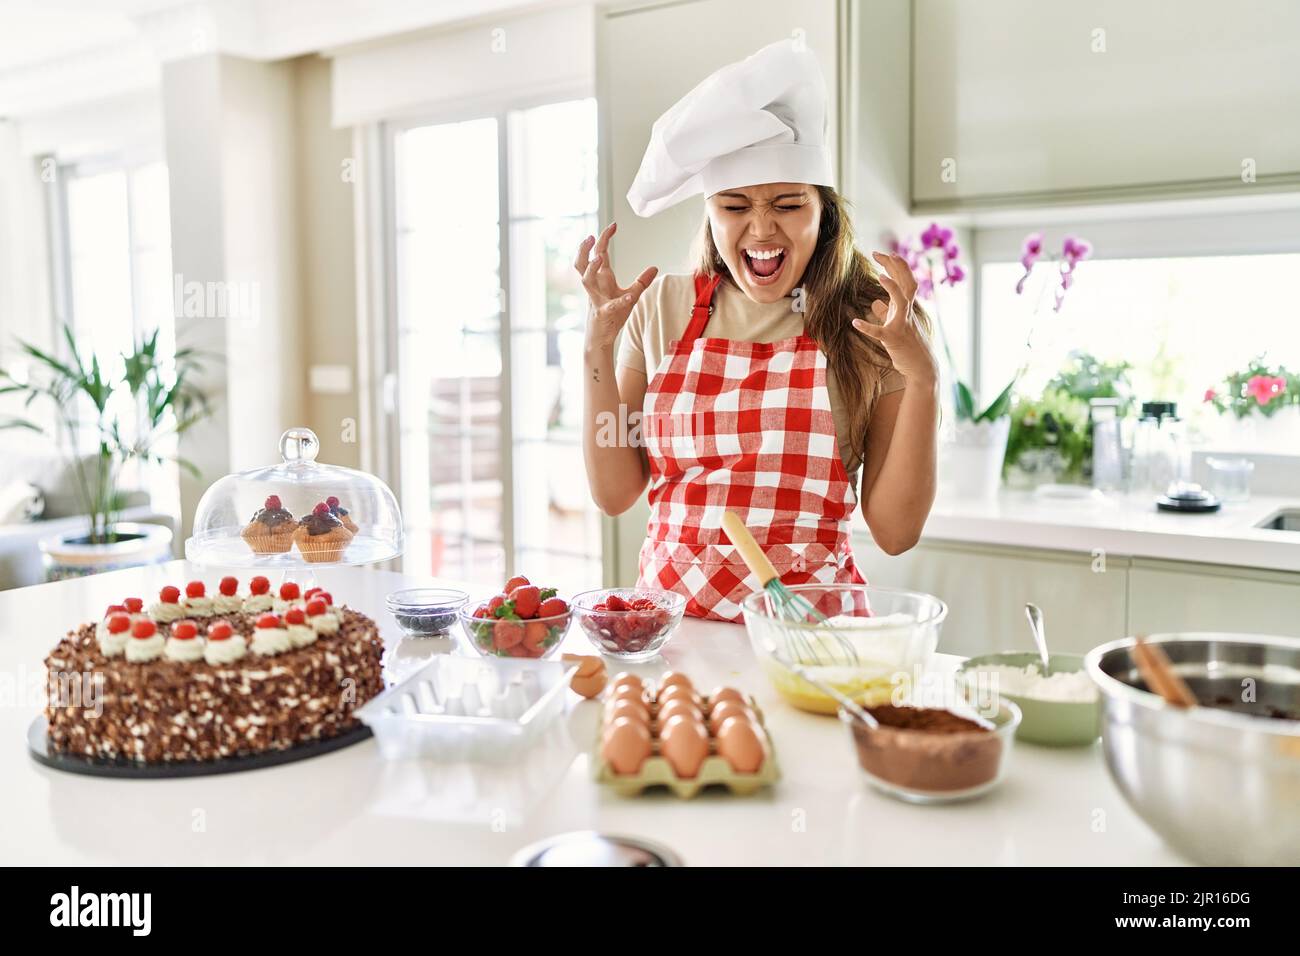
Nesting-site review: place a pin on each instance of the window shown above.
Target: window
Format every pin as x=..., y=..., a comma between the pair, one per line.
x=117, y=263
x=489, y=317
x=1183, y=323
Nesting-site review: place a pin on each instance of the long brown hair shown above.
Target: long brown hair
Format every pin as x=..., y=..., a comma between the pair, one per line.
x=839, y=285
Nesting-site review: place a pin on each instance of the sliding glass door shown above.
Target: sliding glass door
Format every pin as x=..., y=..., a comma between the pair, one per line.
x=489, y=317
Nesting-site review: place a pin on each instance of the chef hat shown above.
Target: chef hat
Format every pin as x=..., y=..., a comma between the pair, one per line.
x=762, y=120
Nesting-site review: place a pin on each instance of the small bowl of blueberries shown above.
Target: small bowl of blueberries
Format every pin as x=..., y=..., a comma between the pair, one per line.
x=426, y=612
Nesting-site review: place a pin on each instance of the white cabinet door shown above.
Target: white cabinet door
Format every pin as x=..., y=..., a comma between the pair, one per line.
x=986, y=589
x=647, y=57
x=1168, y=596
x=1023, y=99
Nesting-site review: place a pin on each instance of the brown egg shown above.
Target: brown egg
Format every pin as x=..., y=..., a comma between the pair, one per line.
x=741, y=744
x=589, y=686
x=729, y=708
x=625, y=745
x=684, y=743
x=625, y=691
x=627, y=707
x=624, y=679
x=676, y=692
x=589, y=665
x=719, y=694
x=675, y=679
x=678, y=705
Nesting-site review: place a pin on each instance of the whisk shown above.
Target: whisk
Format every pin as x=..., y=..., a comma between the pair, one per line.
x=804, y=628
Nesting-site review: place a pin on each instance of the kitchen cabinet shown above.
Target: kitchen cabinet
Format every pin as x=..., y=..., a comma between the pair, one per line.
x=1171, y=596
x=1018, y=101
x=648, y=56
x=987, y=586
x=986, y=589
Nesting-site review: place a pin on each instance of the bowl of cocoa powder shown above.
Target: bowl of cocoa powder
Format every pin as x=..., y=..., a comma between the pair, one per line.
x=932, y=755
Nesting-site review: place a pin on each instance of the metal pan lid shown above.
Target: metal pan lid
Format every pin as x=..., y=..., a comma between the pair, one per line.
x=589, y=848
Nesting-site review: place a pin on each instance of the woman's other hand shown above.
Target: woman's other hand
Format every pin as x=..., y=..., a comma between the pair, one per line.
x=611, y=304
x=899, y=332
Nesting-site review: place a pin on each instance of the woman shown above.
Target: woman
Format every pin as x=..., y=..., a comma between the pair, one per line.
x=778, y=380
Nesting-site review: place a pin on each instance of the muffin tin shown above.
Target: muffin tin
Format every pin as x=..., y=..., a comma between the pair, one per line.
x=715, y=771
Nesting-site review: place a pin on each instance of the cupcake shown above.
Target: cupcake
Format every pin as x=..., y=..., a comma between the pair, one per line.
x=321, y=536
x=271, y=530
x=338, y=511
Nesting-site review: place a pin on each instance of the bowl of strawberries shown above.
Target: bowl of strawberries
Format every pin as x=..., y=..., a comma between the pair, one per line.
x=524, y=620
x=629, y=624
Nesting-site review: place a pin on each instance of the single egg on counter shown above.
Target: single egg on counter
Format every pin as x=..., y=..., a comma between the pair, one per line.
x=675, y=679
x=627, y=707
x=719, y=694
x=588, y=664
x=729, y=708
x=625, y=679
x=625, y=745
x=684, y=743
x=741, y=744
x=676, y=692
x=589, y=686
x=678, y=705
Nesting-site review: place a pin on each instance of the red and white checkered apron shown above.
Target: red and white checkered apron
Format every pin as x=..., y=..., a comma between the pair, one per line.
x=743, y=427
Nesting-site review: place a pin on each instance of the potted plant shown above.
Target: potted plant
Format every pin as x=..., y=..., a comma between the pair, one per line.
x=126, y=417
x=976, y=445
x=1266, y=400
x=1051, y=436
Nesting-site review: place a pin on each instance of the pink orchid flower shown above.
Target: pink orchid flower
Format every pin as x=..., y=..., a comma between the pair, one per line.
x=1210, y=395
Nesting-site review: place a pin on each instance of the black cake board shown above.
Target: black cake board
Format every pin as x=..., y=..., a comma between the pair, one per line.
x=38, y=747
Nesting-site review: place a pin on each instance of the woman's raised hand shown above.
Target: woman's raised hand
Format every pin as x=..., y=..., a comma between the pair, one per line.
x=899, y=332
x=611, y=304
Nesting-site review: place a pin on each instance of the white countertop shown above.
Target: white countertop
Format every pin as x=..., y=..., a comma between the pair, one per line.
x=1122, y=525
x=353, y=807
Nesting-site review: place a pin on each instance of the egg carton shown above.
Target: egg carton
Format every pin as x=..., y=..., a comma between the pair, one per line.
x=475, y=709
x=656, y=771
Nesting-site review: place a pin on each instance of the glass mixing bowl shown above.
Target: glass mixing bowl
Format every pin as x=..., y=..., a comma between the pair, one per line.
x=877, y=637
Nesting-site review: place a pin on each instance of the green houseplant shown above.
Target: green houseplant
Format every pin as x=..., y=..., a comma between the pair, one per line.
x=125, y=417
x=1051, y=435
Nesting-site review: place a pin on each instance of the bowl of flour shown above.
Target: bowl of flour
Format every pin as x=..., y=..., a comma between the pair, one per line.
x=1060, y=709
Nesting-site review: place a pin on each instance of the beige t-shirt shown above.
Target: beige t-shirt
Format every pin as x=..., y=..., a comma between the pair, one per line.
x=662, y=313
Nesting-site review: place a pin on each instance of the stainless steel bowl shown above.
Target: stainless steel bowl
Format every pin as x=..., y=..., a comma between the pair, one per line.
x=1220, y=784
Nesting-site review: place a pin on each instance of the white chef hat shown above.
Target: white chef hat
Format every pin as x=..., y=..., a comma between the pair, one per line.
x=762, y=120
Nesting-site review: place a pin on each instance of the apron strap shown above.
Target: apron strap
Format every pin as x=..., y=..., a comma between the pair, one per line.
x=704, y=288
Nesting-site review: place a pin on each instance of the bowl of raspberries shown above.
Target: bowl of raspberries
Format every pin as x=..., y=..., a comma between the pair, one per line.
x=629, y=624
x=524, y=620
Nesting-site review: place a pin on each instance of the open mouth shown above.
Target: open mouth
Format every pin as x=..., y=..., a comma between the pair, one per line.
x=764, y=265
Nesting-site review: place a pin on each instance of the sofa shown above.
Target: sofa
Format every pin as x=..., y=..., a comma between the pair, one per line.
x=33, y=461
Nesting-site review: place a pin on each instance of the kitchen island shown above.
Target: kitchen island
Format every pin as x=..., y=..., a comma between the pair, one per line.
x=353, y=807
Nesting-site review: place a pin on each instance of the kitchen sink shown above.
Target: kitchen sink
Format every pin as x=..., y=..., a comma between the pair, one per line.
x=1288, y=519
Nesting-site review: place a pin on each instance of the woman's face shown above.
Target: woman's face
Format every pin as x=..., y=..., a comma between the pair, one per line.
x=766, y=235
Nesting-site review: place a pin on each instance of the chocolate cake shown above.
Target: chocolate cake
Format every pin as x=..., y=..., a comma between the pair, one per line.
x=186, y=706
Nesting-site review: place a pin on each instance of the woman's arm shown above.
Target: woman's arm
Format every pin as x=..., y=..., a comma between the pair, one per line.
x=617, y=471
x=898, y=471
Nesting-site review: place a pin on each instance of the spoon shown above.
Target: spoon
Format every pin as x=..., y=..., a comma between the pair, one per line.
x=1040, y=638
x=1159, y=674
x=848, y=703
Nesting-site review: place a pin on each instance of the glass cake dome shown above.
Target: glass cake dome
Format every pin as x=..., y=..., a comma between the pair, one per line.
x=296, y=513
